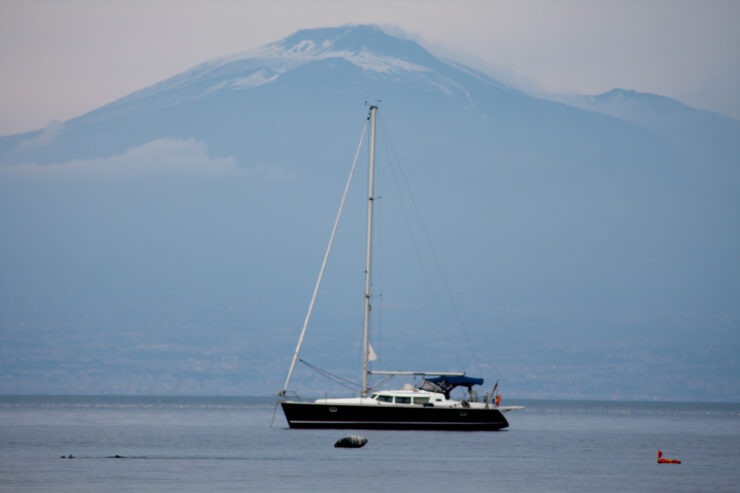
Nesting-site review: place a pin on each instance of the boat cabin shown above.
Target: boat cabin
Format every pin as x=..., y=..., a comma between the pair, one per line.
x=406, y=397
x=433, y=392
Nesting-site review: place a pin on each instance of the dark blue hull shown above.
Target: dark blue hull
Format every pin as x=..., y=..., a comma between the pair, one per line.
x=342, y=416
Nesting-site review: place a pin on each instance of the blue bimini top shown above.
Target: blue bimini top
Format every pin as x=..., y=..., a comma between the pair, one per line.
x=455, y=381
x=446, y=384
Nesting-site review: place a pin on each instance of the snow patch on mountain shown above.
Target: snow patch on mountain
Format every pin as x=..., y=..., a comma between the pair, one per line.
x=283, y=58
x=265, y=65
x=256, y=79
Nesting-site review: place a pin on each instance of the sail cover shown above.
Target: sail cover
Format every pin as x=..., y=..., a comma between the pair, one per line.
x=445, y=384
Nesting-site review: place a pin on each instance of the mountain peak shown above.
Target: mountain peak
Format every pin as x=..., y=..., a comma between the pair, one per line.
x=356, y=38
x=347, y=32
x=355, y=43
x=629, y=97
x=367, y=47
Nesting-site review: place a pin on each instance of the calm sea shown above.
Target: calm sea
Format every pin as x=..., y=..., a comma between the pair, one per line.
x=227, y=444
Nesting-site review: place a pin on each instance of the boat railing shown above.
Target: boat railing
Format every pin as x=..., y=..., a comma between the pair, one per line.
x=284, y=395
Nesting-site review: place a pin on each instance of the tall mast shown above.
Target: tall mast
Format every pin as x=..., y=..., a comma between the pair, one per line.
x=368, y=256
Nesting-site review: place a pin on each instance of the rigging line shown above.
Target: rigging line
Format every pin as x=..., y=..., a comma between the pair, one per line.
x=274, y=412
x=379, y=262
x=334, y=378
x=381, y=382
x=417, y=250
x=434, y=254
x=437, y=305
x=379, y=338
x=323, y=263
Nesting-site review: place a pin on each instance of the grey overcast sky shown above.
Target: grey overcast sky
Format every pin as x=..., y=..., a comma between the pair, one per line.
x=59, y=59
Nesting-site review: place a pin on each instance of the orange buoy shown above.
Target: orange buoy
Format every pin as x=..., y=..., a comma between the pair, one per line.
x=661, y=460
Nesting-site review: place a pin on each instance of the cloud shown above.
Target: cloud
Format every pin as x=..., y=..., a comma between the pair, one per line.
x=52, y=130
x=160, y=157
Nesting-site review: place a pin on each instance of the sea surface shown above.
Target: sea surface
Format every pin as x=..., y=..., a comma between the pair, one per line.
x=227, y=444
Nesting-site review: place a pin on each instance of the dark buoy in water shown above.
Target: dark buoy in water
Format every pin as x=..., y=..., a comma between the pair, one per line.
x=351, y=441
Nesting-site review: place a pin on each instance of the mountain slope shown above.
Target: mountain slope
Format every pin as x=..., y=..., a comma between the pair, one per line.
x=687, y=127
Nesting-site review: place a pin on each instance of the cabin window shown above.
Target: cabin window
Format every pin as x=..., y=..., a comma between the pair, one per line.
x=385, y=398
x=374, y=396
x=421, y=400
x=403, y=400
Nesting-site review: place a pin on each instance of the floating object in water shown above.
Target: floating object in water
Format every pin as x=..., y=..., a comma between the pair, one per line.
x=351, y=441
x=118, y=456
x=661, y=460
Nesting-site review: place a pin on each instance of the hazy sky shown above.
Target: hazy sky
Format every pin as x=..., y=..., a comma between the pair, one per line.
x=59, y=59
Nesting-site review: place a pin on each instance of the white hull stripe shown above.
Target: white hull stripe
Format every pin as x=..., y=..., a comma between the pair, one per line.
x=401, y=422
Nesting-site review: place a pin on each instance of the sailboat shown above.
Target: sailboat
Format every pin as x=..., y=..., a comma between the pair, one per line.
x=428, y=406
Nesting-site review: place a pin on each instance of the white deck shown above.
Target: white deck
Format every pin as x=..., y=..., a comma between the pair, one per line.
x=414, y=397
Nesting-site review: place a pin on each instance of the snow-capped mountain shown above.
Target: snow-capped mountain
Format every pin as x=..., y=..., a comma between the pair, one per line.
x=314, y=69
x=365, y=47
x=325, y=72
x=198, y=208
